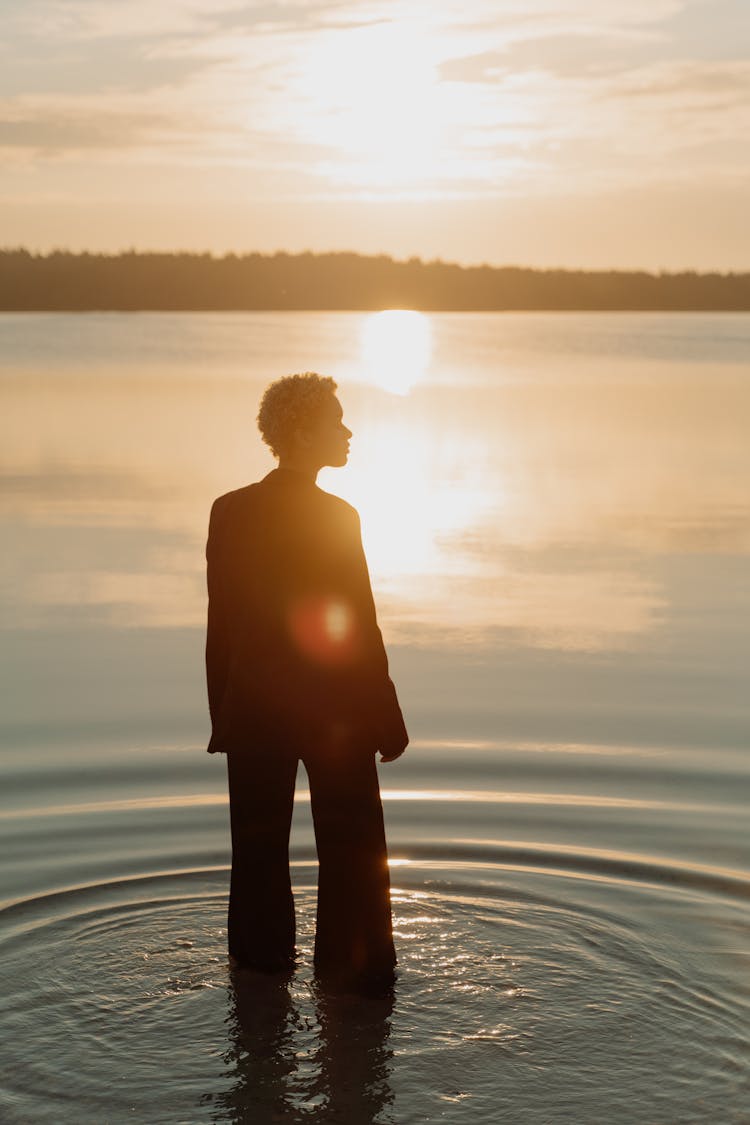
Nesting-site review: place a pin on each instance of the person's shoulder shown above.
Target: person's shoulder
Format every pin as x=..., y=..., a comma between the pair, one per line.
x=339, y=506
x=237, y=498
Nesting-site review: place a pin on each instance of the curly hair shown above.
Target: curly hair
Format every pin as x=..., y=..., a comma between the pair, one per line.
x=287, y=402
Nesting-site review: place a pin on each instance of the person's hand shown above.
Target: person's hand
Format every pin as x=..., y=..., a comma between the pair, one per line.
x=393, y=749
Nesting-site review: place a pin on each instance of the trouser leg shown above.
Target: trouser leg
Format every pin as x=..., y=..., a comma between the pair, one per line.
x=354, y=934
x=260, y=918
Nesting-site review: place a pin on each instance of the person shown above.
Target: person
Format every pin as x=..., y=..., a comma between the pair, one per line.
x=296, y=669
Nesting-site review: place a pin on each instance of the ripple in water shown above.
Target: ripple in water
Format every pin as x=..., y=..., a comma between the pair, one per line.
x=521, y=995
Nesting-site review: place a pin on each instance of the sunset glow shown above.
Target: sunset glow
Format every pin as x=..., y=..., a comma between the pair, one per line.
x=377, y=103
x=374, y=458
x=532, y=135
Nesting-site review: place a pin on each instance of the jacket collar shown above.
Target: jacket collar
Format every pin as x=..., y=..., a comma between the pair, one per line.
x=289, y=477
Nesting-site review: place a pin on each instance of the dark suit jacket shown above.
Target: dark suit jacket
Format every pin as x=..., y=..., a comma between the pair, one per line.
x=293, y=649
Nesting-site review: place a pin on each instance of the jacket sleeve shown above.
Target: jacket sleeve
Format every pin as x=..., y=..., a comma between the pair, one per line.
x=388, y=716
x=218, y=641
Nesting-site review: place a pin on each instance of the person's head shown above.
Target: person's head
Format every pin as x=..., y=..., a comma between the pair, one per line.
x=301, y=420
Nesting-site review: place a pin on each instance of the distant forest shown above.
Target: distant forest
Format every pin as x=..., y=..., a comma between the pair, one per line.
x=63, y=281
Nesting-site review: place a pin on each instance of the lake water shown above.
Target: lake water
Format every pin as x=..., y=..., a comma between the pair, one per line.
x=557, y=521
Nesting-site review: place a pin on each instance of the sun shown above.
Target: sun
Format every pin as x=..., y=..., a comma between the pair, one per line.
x=374, y=103
x=396, y=345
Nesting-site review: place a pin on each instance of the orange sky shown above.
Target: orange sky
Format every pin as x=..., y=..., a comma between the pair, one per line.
x=547, y=133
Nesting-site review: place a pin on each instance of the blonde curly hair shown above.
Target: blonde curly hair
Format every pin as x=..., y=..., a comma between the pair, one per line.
x=289, y=401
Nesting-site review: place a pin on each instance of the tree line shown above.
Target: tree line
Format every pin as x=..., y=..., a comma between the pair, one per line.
x=135, y=280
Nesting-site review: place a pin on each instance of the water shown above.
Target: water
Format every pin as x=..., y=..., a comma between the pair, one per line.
x=556, y=518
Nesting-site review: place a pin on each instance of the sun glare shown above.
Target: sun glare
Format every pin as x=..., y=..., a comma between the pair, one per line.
x=376, y=102
x=396, y=346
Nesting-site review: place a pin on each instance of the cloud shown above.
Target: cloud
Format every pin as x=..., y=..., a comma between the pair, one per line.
x=96, y=20
x=47, y=131
x=80, y=20
x=725, y=81
x=686, y=107
x=383, y=99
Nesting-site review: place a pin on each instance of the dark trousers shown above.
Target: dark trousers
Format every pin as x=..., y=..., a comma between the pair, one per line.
x=354, y=935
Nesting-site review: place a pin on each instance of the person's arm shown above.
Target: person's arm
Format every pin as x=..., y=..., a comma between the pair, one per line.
x=217, y=628
x=393, y=734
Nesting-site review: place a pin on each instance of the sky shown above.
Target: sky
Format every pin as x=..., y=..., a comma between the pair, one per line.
x=552, y=133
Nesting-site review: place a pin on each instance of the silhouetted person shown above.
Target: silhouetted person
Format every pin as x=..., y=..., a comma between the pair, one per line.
x=296, y=668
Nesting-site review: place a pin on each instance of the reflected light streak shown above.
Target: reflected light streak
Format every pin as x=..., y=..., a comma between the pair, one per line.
x=450, y=796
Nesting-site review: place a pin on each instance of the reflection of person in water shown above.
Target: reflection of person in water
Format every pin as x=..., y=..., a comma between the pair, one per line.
x=296, y=669
x=280, y=1066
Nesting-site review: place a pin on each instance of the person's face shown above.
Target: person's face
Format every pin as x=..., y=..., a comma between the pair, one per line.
x=327, y=438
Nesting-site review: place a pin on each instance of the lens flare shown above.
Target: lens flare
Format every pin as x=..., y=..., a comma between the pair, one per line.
x=324, y=629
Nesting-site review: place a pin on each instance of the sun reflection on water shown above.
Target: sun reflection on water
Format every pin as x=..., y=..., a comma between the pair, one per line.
x=419, y=499
x=396, y=347
x=503, y=499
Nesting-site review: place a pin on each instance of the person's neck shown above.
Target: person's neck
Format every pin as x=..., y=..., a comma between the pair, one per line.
x=300, y=465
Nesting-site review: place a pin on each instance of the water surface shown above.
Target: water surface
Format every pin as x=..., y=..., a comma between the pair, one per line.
x=556, y=517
